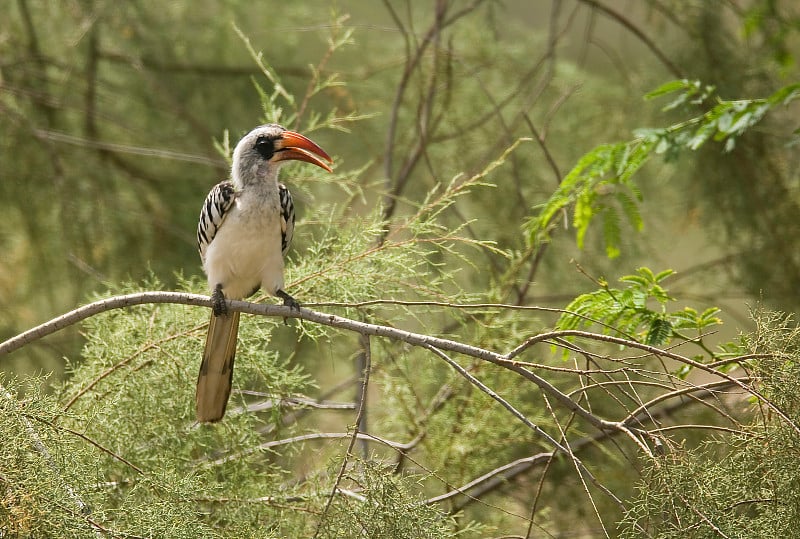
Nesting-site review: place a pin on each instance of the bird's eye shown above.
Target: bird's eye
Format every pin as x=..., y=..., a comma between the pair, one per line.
x=265, y=147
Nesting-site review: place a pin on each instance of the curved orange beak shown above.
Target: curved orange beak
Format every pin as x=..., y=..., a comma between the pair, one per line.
x=294, y=146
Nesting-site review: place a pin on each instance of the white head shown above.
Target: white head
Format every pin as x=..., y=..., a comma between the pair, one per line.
x=261, y=152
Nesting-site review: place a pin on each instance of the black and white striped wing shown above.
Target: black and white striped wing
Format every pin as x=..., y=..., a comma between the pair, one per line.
x=287, y=218
x=215, y=208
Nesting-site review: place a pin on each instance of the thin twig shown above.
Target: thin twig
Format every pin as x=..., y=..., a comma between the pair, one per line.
x=86, y=439
x=579, y=466
x=649, y=43
x=365, y=346
x=484, y=388
x=500, y=476
x=578, y=470
x=656, y=352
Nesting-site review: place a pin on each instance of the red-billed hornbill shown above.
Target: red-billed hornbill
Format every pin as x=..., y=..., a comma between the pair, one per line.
x=244, y=232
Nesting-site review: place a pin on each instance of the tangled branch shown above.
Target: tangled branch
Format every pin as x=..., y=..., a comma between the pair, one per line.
x=436, y=344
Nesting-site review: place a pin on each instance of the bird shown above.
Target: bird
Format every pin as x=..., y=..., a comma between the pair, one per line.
x=245, y=228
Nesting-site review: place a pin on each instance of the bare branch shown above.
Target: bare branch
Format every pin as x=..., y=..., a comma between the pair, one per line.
x=483, y=387
x=502, y=475
x=160, y=153
x=367, y=360
x=675, y=70
x=416, y=339
x=97, y=307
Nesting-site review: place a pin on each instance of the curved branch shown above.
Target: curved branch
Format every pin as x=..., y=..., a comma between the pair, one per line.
x=503, y=475
x=543, y=337
x=197, y=300
x=705, y=390
x=97, y=307
x=649, y=43
x=416, y=339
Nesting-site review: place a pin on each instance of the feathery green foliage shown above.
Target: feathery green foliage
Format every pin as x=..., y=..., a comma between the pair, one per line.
x=739, y=484
x=638, y=311
x=725, y=121
x=385, y=508
x=601, y=183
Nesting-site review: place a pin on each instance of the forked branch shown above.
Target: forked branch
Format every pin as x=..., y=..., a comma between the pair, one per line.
x=506, y=361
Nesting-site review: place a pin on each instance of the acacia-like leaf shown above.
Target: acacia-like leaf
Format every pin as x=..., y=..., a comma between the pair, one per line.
x=659, y=332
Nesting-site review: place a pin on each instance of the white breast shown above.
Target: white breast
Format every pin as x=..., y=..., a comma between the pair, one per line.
x=246, y=252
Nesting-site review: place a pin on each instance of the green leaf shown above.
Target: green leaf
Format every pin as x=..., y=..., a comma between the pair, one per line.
x=683, y=371
x=647, y=273
x=631, y=210
x=663, y=145
x=785, y=95
x=723, y=124
x=659, y=332
x=611, y=232
x=671, y=87
x=742, y=122
x=710, y=318
x=703, y=133
x=583, y=214
x=685, y=319
x=637, y=279
x=661, y=295
x=633, y=158
x=661, y=275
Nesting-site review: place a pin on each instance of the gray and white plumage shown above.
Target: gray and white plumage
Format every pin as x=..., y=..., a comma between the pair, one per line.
x=217, y=204
x=287, y=218
x=221, y=199
x=244, y=231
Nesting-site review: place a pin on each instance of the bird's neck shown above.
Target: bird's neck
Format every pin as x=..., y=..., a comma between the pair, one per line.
x=258, y=177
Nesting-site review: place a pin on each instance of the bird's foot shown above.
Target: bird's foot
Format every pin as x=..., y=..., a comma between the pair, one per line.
x=218, y=304
x=288, y=300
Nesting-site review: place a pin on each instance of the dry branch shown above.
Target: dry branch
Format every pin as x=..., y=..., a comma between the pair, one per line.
x=366, y=329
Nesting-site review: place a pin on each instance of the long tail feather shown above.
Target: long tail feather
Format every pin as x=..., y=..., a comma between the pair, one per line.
x=216, y=370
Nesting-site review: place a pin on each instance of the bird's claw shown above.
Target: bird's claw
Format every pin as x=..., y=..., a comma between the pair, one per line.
x=288, y=301
x=218, y=304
